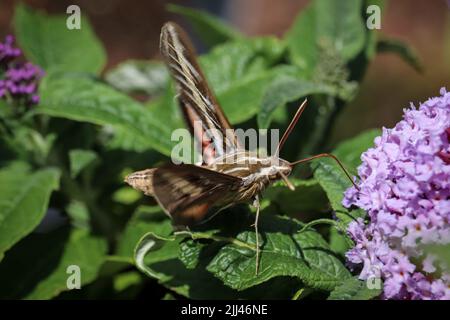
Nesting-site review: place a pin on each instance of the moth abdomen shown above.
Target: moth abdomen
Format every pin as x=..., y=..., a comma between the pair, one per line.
x=142, y=180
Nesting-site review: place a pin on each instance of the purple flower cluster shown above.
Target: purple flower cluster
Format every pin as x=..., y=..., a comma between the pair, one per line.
x=19, y=80
x=7, y=51
x=405, y=189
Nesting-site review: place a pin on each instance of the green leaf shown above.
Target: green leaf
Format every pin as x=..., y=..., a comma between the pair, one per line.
x=134, y=76
x=162, y=109
x=308, y=196
x=37, y=267
x=79, y=214
x=128, y=285
x=48, y=42
x=334, y=181
x=211, y=30
x=301, y=40
x=339, y=242
x=24, y=198
x=145, y=219
x=353, y=289
x=147, y=239
x=286, y=89
x=350, y=151
x=80, y=159
x=341, y=23
x=30, y=144
x=190, y=253
x=126, y=195
x=239, y=73
x=82, y=99
x=441, y=253
x=158, y=255
x=403, y=50
x=338, y=24
x=285, y=252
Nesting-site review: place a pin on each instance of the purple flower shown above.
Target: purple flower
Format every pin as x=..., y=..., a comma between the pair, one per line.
x=8, y=52
x=20, y=80
x=405, y=189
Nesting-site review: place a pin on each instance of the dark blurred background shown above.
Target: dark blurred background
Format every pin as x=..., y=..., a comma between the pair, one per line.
x=130, y=29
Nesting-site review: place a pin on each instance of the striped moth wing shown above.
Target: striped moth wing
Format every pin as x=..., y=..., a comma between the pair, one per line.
x=188, y=193
x=203, y=115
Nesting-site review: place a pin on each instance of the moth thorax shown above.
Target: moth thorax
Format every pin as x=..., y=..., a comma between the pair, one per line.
x=274, y=172
x=269, y=171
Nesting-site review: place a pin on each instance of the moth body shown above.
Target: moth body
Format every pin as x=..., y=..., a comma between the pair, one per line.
x=252, y=175
x=256, y=173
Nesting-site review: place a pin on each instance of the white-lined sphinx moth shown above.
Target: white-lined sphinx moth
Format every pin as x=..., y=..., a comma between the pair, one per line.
x=229, y=174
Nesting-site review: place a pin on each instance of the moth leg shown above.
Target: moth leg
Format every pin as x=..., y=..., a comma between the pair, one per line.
x=257, y=205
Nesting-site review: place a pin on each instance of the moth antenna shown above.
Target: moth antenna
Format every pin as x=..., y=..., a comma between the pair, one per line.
x=326, y=155
x=291, y=126
x=286, y=180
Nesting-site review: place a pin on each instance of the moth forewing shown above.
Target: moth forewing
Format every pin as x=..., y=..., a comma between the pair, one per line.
x=195, y=97
x=188, y=193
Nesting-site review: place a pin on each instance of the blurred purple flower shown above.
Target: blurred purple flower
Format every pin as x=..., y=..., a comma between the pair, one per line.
x=7, y=51
x=20, y=80
x=405, y=189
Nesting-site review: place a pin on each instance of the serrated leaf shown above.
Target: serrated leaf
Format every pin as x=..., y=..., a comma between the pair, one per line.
x=211, y=29
x=190, y=252
x=48, y=256
x=285, y=252
x=353, y=289
x=80, y=159
x=156, y=256
x=82, y=99
x=403, y=50
x=24, y=198
x=334, y=181
x=48, y=42
x=159, y=257
x=134, y=76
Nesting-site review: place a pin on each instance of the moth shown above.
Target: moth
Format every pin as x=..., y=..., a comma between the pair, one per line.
x=229, y=174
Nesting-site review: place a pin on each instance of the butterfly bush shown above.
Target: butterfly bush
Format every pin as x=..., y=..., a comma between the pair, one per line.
x=405, y=188
x=18, y=80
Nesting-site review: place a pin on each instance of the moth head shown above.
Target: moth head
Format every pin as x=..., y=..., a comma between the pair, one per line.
x=279, y=169
x=284, y=167
x=283, y=170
